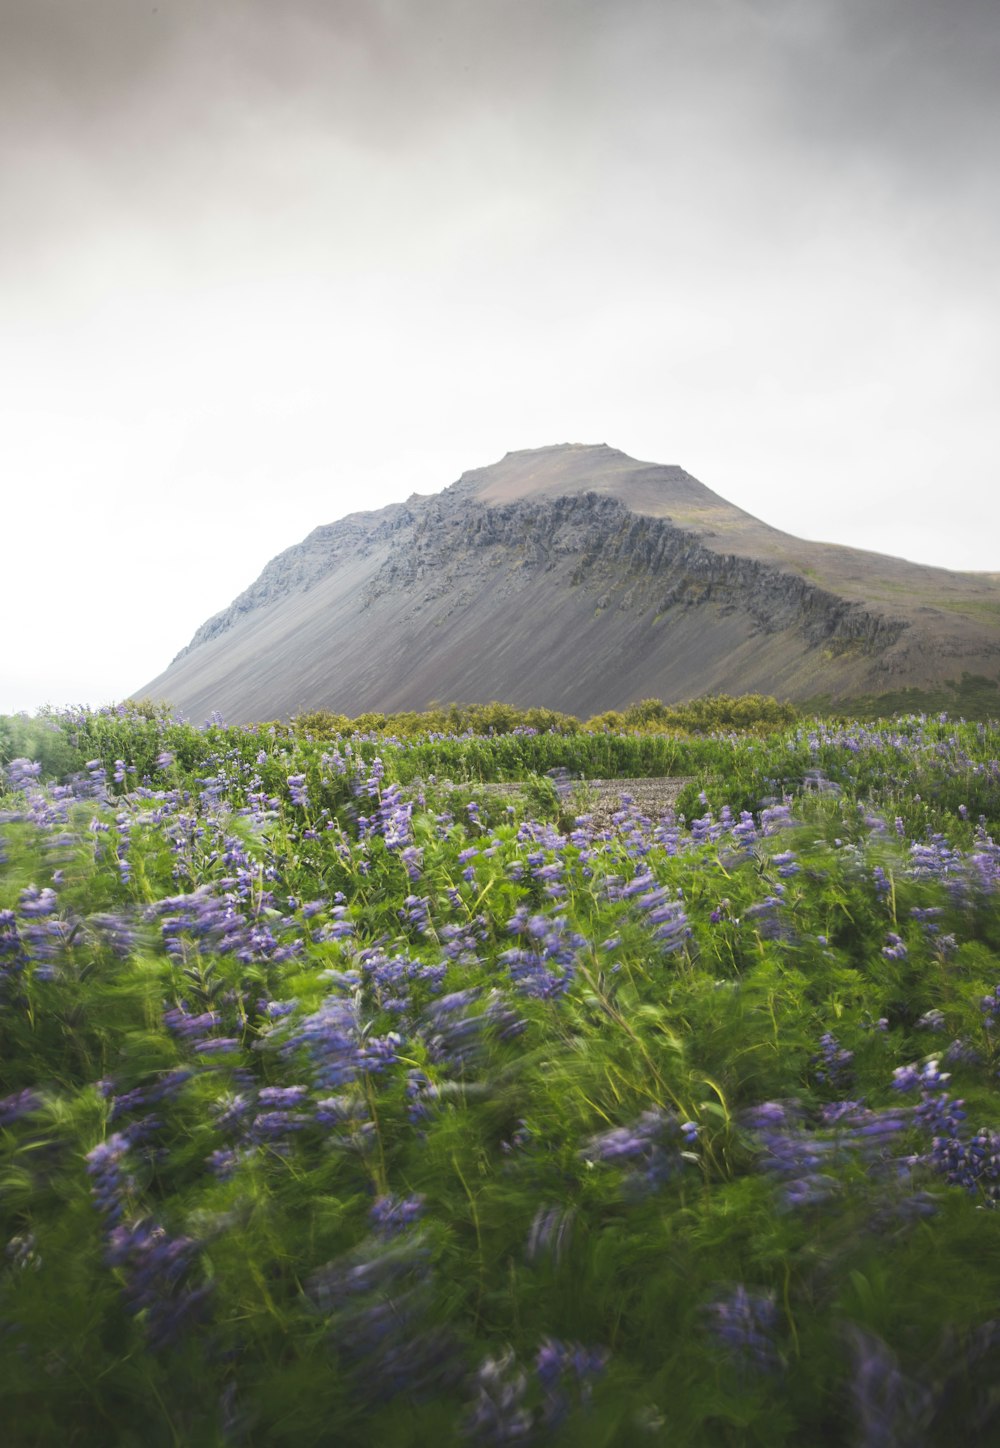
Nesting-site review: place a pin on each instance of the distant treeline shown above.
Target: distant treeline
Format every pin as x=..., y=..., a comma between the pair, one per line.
x=699, y=716
x=973, y=696
x=646, y=738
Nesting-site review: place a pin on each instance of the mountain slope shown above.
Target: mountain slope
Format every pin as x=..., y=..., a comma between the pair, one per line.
x=578, y=578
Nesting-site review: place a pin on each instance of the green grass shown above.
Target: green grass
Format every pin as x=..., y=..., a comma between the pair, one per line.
x=622, y=1101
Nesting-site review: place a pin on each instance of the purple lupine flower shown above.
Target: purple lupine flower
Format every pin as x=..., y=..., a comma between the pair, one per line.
x=553, y=870
x=800, y=1158
x=168, y=1084
x=787, y=864
x=776, y=817
x=218, y=1046
x=744, y=1324
x=338, y=927
x=115, y=931
x=297, y=790
x=275, y=1010
x=276, y=1126
x=497, y=1414
x=927, y=1076
x=672, y=928
x=34, y=903
x=932, y=1020
x=894, y=947
x=341, y=1110
x=972, y=1163
x=22, y=1254
x=420, y=1091
x=336, y=1044
x=550, y=1232
x=12, y=952
x=939, y=1115
x=453, y=1035
x=188, y=1027
x=157, y=1268
x=20, y=1103
x=566, y=1373
x=765, y=917
x=282, y=1096
x=889, y=1407
x=224, y=1162
x=769, y=1115
x=990, y=1006
x=962, y=1053
x=650, y=1147
x=832, y=1064
x=391, y=1215
x=377, y=1303
x=378, y=1052
x=106, y=1166
x=23, y=773
x=231, y=1110
x=460, y=942
x=417, y=912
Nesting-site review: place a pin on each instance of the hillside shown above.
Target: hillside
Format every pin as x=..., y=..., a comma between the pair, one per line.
x=578, y=578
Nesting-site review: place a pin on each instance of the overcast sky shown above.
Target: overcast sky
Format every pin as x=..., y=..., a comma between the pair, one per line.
x=263, y=264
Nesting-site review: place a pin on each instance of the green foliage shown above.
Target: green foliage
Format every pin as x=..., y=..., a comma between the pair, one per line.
x=487, y=719
x=41, y=739
x=717, y=712
x=270, y=979
x=973, y=696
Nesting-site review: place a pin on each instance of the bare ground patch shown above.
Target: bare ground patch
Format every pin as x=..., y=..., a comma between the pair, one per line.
x=599, y=798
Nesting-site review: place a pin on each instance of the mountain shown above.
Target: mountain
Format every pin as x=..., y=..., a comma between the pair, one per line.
x=578, y=578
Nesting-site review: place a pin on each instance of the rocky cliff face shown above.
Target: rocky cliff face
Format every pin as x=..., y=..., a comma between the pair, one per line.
x=300, y=567
x=635, y=561
x=524, y=583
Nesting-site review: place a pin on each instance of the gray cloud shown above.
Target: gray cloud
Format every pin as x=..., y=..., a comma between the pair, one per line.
x=890, y=94
x=385, y=240
x=912, y=77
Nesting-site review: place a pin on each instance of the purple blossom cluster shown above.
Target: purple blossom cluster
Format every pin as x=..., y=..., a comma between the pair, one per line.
x=744, y=1324
x=295, y=1084
x=377, y=1302
x=18, y=1104
x=657, y=906
x=501, y=1410
x=890, y=1408
x=454, y=1029
x=652, y=1149
x=543, y=966
x=336, y=1047
x=209, y=921
x=392, y=979
x=801, y=1156
x=832, y=1064
x=157, y=1269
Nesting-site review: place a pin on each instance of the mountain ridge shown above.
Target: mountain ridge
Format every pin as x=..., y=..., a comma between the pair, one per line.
x=576, y=577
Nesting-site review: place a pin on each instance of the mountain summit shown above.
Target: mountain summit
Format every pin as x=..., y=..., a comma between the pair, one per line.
x=578, y=578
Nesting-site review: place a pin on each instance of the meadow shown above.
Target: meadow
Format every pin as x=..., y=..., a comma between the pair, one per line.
x=341, y=1107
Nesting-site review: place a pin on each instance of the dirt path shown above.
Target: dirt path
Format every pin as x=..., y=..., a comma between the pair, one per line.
x=602, y=798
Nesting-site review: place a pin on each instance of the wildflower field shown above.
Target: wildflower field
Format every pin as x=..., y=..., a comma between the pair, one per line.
x=338, y=1107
